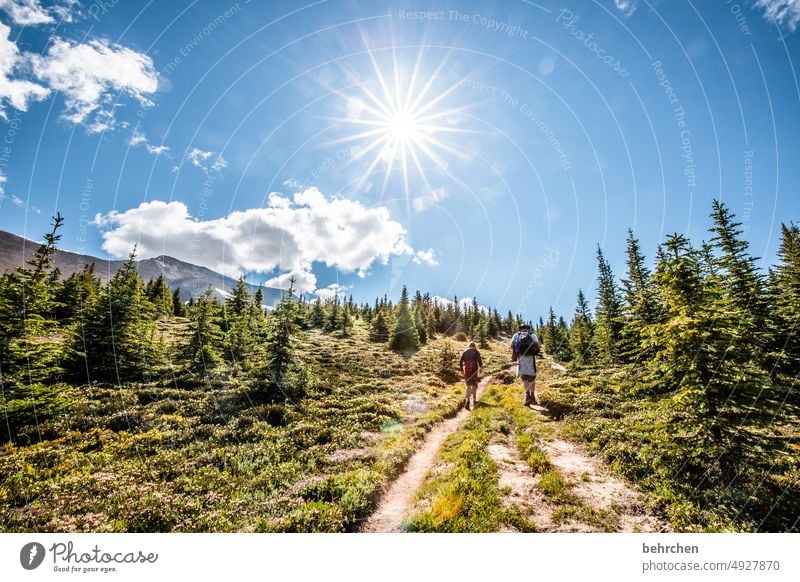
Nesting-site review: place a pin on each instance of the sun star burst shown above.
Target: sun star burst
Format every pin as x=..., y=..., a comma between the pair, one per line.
x=401, y=122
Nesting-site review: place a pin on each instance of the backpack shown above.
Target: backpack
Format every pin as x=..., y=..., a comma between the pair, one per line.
x=470, y=368
x=525, y=345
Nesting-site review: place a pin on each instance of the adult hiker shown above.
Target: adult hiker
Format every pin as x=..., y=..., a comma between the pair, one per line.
x=470, y=365
x=525, y=347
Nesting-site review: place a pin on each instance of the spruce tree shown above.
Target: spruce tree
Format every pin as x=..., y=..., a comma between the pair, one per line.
x=422, y=329
x=118, y=340
x=641, y=302
x=160, y=296
x=609, y=314
x=317, y=316
x=206, y=335
x=380, y=327
x=741, y=284
x=178, y=307
x=692, y=360
x=784, y=296
x=404, y=335
x=29, y=351
x=346, y=322
x=240, y=324
x=281, y=378
x=582, y=332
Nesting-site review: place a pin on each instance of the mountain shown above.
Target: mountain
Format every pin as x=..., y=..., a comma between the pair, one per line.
x=192, y=280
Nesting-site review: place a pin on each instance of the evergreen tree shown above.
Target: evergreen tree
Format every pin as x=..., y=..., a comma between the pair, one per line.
x=380, y=327
x=346, y=323
x=691, y=356
x=404, y=335
x=422, y=329
x=178, y=308
x=75, y=293
x=641, y=302
x=240, y=324
x=581, y=333
x=160, y=296
x=494, y=324
x=206, y=337
x=483, y=335
x=239, y=300
x=508, y=323
x=28, y=351
x=118, y=340
x=317, y=317
x=281, y=378
x=258, y=298
x=333, y=322
x=784, y=294
x=609, y=316
x=741, y=284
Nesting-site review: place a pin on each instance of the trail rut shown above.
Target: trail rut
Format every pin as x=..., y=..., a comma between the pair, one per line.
x=396, y=503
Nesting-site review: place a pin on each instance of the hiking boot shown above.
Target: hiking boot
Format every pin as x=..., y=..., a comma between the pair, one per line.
x=466, y=404
x=527, y=399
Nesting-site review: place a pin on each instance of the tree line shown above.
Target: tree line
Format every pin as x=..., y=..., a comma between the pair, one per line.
x=703, y=329
x=57, y=333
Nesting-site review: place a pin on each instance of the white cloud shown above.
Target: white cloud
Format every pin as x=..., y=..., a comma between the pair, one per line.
x=156, y=150
x=331, y=291
x=139, y=139
x=312, y=228
x=304, y=281
x=17, y=200
x=89, y=74
x=627, y=7
x=15, y=92
x=785, y=12
x=200, y=159
x=26, y=12
x=427, y=256
x=292, y=183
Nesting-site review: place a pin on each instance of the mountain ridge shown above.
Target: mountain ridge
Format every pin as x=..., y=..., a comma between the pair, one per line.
x=191, y=279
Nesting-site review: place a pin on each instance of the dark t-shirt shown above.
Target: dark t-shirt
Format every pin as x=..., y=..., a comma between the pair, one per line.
x=470, y=354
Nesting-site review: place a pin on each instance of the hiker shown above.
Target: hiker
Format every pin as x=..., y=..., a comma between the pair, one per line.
x=470, y=364
x=525, y=347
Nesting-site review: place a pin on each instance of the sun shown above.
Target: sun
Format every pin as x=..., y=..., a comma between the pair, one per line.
x=401, y=122
x=403, y=127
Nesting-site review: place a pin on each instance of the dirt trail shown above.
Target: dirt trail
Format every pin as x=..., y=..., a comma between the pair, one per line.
x=591, y=483
x=598, y=488
x=396, y=503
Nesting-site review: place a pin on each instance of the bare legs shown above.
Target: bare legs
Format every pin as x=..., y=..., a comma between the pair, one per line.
x=472, y=390
x=530, y=390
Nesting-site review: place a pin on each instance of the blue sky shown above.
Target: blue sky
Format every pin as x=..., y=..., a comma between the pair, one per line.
x=465, y=148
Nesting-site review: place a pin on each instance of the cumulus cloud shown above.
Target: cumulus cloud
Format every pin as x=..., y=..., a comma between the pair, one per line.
x=627, y=7
x=304, y=281
x=289, y=234
x=200, y=159
x=139, y=139
x=26, y=12
x=331, y=291
x=785, y=12
x=15, y=92
x=89, y=75
x=427, y=257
